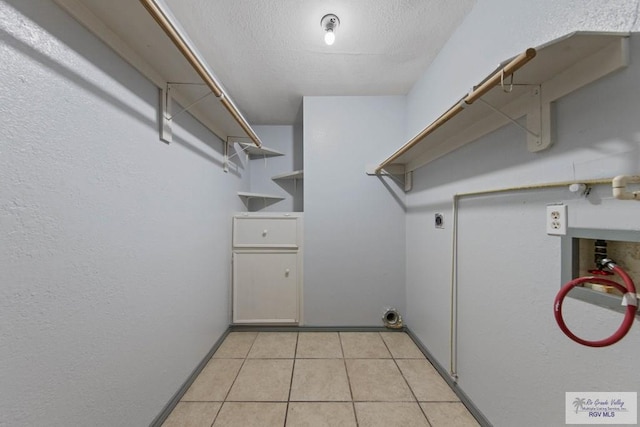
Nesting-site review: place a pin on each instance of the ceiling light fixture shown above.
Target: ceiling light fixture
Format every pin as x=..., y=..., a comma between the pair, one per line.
x=329, y=24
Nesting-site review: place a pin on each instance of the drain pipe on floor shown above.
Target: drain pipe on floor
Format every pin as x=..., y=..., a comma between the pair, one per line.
x=453, y=331
x=392, y=319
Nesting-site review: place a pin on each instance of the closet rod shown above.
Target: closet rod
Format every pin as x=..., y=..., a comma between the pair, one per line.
x=473, y=96
x=183, y=46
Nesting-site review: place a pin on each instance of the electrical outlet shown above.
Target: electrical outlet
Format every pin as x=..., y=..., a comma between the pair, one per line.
x=557, y=220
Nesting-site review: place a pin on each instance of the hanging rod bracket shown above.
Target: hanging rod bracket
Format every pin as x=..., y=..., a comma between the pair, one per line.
x=166, y=134
x=397, y=172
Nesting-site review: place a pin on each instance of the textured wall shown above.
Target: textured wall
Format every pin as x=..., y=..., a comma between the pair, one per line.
x=354, y=223
x=513, y=361
x=114, y=262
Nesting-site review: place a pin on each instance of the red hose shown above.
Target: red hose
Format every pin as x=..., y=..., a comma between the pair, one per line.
x=628, y=317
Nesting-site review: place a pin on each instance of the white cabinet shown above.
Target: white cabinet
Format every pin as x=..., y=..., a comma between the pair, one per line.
x=267, y=267
x=266, y=288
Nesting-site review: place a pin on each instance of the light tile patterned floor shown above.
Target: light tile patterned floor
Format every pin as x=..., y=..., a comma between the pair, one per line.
x=318, y=379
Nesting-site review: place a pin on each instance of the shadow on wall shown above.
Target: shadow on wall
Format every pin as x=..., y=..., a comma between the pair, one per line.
x=600, y=118
x=292, y=186
x=393, y=190
x=505, y=149
x=70, y=75
x=115, y=70
x=189, y=124
x=257, y=204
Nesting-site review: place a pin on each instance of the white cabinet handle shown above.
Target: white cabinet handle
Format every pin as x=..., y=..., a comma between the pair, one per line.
x=264, y=233
x=286, y=272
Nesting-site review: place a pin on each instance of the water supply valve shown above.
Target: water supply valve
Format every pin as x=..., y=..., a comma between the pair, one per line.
x=629, y=300
x=599, y=254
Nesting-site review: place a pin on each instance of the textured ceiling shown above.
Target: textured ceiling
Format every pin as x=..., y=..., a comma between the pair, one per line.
x=269, y=54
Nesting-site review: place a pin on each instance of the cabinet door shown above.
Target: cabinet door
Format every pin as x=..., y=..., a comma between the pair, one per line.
x=265, y=287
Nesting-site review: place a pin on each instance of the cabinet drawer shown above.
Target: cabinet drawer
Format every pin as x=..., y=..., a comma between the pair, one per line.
x=265, y=232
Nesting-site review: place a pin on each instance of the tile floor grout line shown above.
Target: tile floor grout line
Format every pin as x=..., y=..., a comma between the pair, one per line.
x=388, y=345
x=217, y=413
x=344, y=361
x=422, y=401
x=405, y=380
x=293, y=368
x=233, y=382
x=226, y=396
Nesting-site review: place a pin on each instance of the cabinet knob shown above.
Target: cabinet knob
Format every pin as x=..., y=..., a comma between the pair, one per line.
x=264, y=233
x=286, y=272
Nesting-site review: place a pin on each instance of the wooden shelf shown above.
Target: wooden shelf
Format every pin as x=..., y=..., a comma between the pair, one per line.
x=549, y=72
x=291, y=175
x=255, y=152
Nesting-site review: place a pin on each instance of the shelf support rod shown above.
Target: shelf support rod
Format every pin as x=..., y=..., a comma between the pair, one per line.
x=171, y=117
x=512, y=120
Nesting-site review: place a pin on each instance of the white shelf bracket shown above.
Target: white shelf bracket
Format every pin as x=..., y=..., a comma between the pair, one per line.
x=538, y=118
x=396, y=172
x=166, y=115
x=225, y=165
x=166, y=135
x=227, y=158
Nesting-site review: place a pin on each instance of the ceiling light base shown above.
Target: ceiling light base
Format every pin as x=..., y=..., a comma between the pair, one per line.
x=330, y=22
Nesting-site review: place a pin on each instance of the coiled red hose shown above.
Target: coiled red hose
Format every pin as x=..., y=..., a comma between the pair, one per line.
x=628, y=317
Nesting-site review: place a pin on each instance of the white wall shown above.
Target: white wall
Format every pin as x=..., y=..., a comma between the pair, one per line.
x=115, y=260
x=513, y=361
x=285, y=140
x=298, y=161
x=354, y=223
